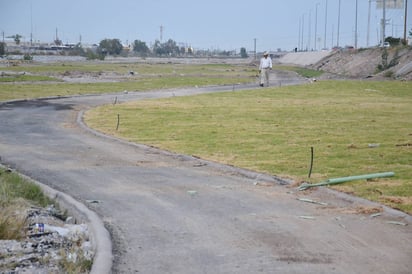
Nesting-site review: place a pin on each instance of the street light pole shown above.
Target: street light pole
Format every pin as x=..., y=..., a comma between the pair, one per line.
x=310, y=30
x=338, y=24
x=369, y=24
x=300, y=28
x=254, y=40
x=316, y=24
x=356, y=26
x=383, y=23
x=406, y=20
x=303, y=28
x=326, y=23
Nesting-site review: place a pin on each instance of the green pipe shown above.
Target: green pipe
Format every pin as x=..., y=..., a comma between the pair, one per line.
x=360, y=177
x=347, y=179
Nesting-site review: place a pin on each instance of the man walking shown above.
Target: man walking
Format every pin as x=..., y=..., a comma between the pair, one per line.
x=265, y=67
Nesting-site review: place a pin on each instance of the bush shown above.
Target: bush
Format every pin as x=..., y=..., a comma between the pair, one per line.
x=12, y=223
x=91, y=55
x=389, y=74
x=27, y=57
x=388, y=64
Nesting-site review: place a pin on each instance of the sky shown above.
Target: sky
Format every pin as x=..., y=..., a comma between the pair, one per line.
x=212, y=24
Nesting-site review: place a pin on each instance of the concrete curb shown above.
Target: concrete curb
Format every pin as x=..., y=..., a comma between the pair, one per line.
x=100, y=237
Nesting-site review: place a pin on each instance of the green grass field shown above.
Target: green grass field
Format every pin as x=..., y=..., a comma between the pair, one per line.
x=272, y=130
x=147, y=77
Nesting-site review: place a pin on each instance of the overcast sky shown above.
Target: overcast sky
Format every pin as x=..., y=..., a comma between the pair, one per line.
x=212, y=24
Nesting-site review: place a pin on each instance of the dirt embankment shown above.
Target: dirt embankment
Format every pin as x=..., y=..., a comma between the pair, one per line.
x=378, y=63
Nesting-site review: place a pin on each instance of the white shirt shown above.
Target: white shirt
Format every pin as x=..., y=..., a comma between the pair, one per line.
x=265, y=63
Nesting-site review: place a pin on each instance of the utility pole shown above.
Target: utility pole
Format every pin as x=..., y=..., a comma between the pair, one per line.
x=383, y=23
x=161, y=33
x=326, y=23
x=254, y=40
x=338, y=25
x=406, y=20
x=300, y=28
x=310, y=30
x=316, y=25
x=369, y=24
x=31, y=24
x=303, y=28
x=356, y=26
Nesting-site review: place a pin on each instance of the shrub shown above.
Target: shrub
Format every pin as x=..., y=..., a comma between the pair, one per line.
x=27, y=57
x=12, y=221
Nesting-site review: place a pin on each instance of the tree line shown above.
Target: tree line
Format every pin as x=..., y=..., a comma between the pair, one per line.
x=168, y=48
x=115, y=47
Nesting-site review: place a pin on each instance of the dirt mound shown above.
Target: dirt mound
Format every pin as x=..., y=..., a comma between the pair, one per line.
x=380, y=63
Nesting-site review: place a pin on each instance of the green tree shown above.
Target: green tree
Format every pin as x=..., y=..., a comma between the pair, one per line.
x=158, y=48
x=17, y=38
x=243, y=53
x=168, y=48
x=171, y=47
x=110, y=46
x=140, y=47
x=58, y=42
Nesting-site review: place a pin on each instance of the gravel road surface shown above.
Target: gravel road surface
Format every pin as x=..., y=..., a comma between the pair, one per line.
x=170, y=213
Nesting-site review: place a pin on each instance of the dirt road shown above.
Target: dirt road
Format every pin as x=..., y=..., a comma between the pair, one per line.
x=171, y=213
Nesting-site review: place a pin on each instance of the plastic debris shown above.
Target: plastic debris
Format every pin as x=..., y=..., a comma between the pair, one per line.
x=311, y=201
x=263, y=184
x=192, y=192
x=373, y=145
x=375, y=215
x=307, y=217
x=39, y=228
x=397, y=223
x=338, y=219
x=93, y=201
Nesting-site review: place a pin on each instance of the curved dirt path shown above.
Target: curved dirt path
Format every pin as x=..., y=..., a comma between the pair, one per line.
x=171, y=213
